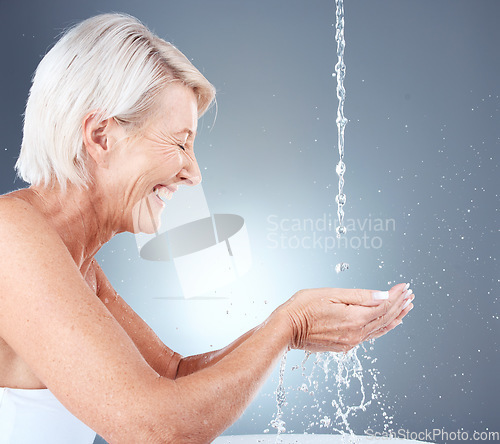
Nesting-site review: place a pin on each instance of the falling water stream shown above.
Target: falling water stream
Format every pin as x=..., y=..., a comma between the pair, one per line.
x=340, y=69
x=345, y=368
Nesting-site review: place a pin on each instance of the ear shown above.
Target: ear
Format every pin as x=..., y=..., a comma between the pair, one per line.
x=96, y=137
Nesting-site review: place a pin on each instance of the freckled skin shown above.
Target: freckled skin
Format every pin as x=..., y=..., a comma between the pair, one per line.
x=64, y=327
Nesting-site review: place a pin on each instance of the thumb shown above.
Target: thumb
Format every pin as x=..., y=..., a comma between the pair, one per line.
x=367, y=298
x=379, y=296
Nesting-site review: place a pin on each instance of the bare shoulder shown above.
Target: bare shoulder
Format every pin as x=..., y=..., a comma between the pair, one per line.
x=28, y=239
x=12, y=203
x=18, y=218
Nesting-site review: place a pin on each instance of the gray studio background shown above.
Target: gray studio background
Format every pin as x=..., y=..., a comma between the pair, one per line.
x=421, y=150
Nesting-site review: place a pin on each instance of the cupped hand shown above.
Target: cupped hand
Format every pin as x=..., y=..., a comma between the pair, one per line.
x=338, y=319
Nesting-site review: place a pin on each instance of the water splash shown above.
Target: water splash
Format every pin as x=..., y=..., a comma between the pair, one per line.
x=347, y=366
x=278, y=422
x=334, y=390
x=340, y=69
x=337, y=389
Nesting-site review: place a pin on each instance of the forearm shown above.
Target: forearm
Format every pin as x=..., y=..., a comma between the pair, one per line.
x=192, y=364
x=208, y=401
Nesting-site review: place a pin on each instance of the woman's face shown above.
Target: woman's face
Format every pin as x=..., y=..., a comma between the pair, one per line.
x=149, y=167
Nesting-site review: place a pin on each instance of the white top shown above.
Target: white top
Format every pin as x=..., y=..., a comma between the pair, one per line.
x=37, y=417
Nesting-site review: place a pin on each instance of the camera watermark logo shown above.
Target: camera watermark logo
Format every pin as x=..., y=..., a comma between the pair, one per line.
x=319, y=233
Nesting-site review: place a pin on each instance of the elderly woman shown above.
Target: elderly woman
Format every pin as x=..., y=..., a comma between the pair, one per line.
x=109, y=134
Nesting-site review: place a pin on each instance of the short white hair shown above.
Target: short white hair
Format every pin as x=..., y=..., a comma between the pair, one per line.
x=110, y=63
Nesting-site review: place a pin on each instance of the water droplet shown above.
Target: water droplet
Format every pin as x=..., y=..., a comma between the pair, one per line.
x=341, y=230
x=325, y=422
x=342, y=266
x=341, y=199
x=342, y=122
x=340, y=168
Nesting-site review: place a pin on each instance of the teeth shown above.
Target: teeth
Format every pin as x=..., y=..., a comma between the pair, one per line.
x=163, y=193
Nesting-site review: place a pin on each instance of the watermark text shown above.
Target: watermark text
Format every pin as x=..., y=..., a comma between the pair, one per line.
x=433, y=435
x=319, y=233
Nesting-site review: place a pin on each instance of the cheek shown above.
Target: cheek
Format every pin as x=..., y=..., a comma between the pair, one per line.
x=170, y=156
x=164, y=162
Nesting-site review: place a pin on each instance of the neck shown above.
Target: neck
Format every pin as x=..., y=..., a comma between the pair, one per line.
x=82, y=218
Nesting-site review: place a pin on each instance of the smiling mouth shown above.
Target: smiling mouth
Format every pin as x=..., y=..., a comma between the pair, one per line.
x=164, y=192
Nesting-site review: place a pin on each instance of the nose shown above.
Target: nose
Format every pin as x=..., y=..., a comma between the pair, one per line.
x=190, y=174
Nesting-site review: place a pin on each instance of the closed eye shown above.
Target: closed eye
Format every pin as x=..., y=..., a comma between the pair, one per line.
x=180, y=146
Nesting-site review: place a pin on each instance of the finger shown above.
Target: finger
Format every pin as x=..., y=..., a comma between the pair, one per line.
x=382, y=314
x=380, y=298
x=389, y=311
x=366, y=298
x=385, y=330
x=399, y=320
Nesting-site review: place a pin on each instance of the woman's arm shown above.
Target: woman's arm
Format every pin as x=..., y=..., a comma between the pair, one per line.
x=192, y=364
x=160, y=357
x=54, y=322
